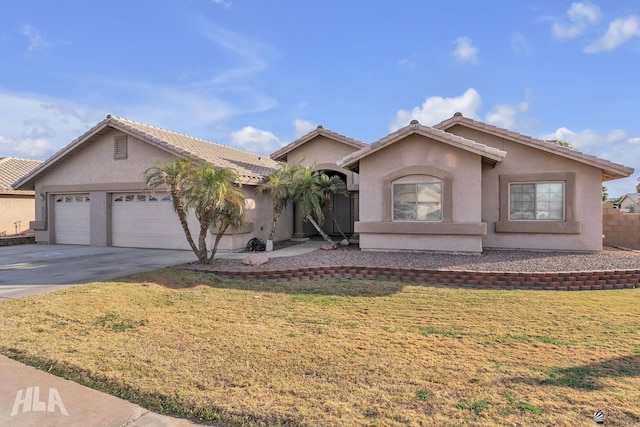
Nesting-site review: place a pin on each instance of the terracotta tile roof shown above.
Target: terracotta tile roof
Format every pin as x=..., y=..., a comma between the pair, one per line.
x=11, y=170
x=250, y=167
x=281, y=154
x=490, y=154
x=609, y=169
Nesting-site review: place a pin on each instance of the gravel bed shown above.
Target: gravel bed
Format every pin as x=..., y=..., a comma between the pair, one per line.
x=490, y=260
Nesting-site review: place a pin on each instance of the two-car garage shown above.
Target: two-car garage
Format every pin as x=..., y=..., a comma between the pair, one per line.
x=138, y=220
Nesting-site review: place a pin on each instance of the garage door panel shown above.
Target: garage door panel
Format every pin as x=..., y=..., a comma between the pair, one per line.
x=148, y=221
x=72, y=219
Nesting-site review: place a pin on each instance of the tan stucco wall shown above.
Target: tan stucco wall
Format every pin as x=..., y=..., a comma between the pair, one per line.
x=414, y=154
x=520, y=159
x=325, y=152
x=94, y=170
x=16, y=208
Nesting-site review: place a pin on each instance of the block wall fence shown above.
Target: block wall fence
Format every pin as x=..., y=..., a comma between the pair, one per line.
x=620, y=228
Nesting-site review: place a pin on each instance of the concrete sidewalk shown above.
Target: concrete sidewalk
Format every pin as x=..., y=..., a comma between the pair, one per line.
x=299, y=249
x=30, y=397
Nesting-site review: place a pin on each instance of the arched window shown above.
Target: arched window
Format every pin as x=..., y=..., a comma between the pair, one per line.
x=417, y=198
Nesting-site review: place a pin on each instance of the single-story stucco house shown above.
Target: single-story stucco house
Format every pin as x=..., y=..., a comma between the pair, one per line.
x=630, y=202
x=463, y=186
x=92, y=192
x=459, y=186
x=16, y=206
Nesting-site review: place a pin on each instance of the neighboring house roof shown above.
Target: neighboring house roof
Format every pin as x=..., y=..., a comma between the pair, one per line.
x=11, y=170
x=281, y=154
x=250, y=167
x=609, y=169
x=634, y=197
x=489, y=154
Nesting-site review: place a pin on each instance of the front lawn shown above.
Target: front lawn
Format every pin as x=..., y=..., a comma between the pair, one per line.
x=339, y=352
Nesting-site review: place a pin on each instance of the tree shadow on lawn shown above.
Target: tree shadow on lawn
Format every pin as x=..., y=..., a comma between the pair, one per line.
x=587, y=377
x=173, y=278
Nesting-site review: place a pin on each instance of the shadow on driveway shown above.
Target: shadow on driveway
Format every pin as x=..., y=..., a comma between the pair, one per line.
x=31, y=269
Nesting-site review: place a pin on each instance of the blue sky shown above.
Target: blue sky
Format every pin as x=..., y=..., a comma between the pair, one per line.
x=259, y=74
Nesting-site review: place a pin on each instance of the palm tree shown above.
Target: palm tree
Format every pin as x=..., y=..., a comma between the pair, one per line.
x=329, y=186
x=216, y=200
x=173, y=176
x=307, y=193
x=279, y=184
x=211, y=192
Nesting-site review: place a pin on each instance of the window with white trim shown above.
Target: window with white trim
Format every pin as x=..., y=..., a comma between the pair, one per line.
x=536, y=201
x=417, y=198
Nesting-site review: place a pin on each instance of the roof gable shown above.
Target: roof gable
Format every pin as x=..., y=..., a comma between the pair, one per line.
x=609, y=169
x=281, y=154
x=631, y=196
x=489, y=154
x=11, y=170
x=250, y=167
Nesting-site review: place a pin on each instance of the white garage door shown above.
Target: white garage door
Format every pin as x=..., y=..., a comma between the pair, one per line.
x=72, y=219
x=140, y=220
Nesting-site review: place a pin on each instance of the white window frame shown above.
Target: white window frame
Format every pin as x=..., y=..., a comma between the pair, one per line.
x=418, y=180
x=537, y=215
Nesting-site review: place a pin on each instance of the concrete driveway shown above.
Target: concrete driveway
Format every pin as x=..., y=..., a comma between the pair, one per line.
x=32, y=269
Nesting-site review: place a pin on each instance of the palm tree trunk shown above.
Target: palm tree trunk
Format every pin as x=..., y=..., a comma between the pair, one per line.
x=178, y=205
x=219, y=235
x=324, y=235
x=276, y=215
x=202, y=242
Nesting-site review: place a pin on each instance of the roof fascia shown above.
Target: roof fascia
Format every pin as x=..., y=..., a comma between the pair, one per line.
x=493, y=156
x=617, y=170
x=319, y=131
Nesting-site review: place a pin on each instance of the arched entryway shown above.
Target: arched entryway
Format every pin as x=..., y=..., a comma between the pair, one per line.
x=345, y=209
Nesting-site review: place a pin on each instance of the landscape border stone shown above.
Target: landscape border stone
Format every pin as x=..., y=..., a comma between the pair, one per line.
x=559, y=281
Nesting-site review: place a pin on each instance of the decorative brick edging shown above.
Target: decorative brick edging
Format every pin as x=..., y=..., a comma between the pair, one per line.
x=19, y=240
x=558, y=281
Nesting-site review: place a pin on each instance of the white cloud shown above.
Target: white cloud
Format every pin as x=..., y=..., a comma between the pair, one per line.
x=251, y=54
x=436, y=109
x=303, y=127
x=587, y=140
x=34, y=127
x=581, y=15
x=36, y=41
x=26, y=147
x=504, y=115
x=584, y=12
x=255, y=140
x=613, y=145
x=465, y=51
x=619, y=32
x=407, y=63
x=520, y=45
x=223, y=3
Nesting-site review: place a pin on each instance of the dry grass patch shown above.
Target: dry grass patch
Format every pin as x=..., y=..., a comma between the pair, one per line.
x=339, y=352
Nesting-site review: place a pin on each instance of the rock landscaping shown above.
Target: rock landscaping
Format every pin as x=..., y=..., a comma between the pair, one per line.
x=610, y=269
